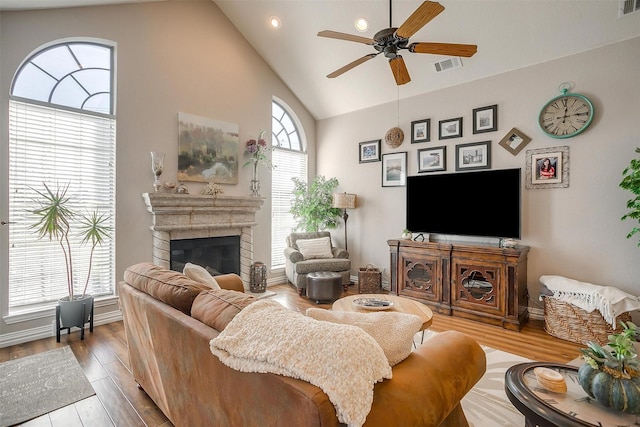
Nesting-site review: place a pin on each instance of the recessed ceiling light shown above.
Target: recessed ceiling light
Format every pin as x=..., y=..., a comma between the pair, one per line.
x=275, y=22
x=361, y=24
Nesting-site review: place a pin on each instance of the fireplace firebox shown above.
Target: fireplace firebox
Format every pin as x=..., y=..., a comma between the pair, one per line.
x=219, y=255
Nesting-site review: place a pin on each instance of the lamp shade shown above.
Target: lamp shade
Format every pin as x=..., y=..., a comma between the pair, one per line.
x=344, y=200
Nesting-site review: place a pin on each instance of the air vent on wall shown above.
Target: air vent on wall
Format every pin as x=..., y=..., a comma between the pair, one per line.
x=628, y=6
x=449, y=63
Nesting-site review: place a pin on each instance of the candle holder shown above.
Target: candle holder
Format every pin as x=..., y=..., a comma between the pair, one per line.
x=157, y=164
x=258, y=277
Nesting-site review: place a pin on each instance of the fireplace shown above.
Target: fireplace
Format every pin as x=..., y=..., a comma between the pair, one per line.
x=182, y=217
x=218, y=255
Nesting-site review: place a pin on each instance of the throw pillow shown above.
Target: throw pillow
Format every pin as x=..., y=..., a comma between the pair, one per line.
x=315, y=248
x=393, y=331
x=216, y=308
x=200, y=274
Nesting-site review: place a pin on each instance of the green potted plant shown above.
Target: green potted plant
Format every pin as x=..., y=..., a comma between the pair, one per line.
x=312, y=204
x=631, y=182
x=611, y=374
x=54, y=222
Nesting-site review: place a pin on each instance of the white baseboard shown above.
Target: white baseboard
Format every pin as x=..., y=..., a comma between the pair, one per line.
x=47, y=331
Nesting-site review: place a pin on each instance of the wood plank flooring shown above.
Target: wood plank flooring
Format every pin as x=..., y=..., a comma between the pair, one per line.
x=118, y=401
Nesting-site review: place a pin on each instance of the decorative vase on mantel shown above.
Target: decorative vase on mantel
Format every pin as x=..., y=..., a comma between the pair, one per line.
x=255, y=183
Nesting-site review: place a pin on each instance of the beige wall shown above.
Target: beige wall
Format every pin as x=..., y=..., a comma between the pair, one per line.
x=575, y=231
x=172, y=57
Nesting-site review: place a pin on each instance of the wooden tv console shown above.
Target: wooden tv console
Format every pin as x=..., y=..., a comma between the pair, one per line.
x=486, y=283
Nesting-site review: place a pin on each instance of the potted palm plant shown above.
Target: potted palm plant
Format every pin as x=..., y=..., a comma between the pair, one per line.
x=55, y=216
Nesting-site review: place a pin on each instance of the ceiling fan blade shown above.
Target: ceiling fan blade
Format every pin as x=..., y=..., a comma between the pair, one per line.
x=419, y=18
x=399, y=70
x=351, y=65
x=449, y=49
x=344, y=36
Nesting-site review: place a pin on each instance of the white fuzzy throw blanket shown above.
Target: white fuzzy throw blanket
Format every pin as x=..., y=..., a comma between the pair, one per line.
x=342, y=360
x=610, y=301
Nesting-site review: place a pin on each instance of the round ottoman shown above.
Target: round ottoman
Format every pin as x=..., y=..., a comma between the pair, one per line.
x=323, y=286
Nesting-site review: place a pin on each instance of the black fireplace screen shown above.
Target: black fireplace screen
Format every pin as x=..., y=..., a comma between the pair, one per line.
x=219, y=255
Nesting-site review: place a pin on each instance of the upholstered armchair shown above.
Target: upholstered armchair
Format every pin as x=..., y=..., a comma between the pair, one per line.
x=312, y=252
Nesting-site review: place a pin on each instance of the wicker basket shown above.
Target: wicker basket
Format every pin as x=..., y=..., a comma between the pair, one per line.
x=369, y=280
x=568, y=322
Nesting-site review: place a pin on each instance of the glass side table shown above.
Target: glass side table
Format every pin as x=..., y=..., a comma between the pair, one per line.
x=574, y=408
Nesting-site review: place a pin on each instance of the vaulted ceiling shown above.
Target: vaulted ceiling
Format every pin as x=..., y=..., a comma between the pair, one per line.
x=510, y=34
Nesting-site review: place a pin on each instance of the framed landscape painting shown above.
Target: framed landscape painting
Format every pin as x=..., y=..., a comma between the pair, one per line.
x=370, y=151
x=432, y=159
x=207, y=150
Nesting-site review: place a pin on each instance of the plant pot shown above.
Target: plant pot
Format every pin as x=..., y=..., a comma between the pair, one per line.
x=76, y=312
x=620, y=394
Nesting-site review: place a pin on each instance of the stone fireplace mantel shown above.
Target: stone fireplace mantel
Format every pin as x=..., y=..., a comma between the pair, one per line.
x=186, y=216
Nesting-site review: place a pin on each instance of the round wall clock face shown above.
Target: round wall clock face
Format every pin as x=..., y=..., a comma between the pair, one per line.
x=566, y=116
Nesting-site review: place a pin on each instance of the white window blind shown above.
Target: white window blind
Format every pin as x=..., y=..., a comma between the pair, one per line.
x=59, y=147
x=288, y=164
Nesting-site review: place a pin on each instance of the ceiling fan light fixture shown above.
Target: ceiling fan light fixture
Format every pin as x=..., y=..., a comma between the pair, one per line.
x=275, y=22
x=361, y=24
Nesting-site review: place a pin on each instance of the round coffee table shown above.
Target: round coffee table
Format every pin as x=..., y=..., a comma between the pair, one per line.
x=546, y=409
x=400, y=305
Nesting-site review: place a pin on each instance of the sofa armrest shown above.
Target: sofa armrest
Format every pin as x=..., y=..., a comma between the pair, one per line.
x=293, y=255
x=340, y=253
x=438, y=374
x=230, y=281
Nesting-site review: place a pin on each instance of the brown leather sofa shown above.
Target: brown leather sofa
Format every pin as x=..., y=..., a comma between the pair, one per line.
x=171, y=360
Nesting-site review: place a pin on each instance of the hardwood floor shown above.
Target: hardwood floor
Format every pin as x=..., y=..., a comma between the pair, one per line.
x=118, y=401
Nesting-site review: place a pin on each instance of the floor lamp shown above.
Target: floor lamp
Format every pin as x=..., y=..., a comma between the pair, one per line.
x=344, y=201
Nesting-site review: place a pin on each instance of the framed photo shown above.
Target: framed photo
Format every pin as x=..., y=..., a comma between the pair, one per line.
x=547, y=168
x=514, y=141
x=370, y=151
x=485, y=119
x=394, y=169
x=421, y=131
x=432, y=159
x=476, y=155
x=451, y=128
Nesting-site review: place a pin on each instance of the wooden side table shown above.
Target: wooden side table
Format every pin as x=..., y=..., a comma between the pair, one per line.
x=574, y=408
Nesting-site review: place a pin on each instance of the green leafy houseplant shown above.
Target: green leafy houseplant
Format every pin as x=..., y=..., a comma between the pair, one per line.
x=54, y=222
x=611, y=374
x=631, y=182
x=312, y=204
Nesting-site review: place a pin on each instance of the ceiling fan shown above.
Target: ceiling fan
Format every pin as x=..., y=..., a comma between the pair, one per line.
x=391, y=40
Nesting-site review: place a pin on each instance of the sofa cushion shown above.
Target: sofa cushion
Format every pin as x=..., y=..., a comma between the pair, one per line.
x=313, y=265
x=393, y=331
x=216, y=307
x=200, y=274
x=170, y=287
x=315, y=248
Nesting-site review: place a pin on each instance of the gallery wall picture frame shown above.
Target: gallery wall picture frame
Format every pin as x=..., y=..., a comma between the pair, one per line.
x=514, y=141
x=450, y=128
x=370, y=151
x=547, y=168
x=473, y=156
x=421, y=131
x=432, y=159
x=485, y=119
x=394, y=169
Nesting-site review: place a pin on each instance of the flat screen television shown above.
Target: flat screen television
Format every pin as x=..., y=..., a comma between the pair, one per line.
x=479, y=203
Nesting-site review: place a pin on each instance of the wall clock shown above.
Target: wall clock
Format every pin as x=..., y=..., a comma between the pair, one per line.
x=566, y=115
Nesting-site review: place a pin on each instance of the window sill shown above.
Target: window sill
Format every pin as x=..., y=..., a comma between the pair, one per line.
x=50, y=311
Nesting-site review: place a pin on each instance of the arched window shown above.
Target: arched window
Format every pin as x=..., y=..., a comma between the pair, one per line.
x=290, y=160
x=62, y=131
